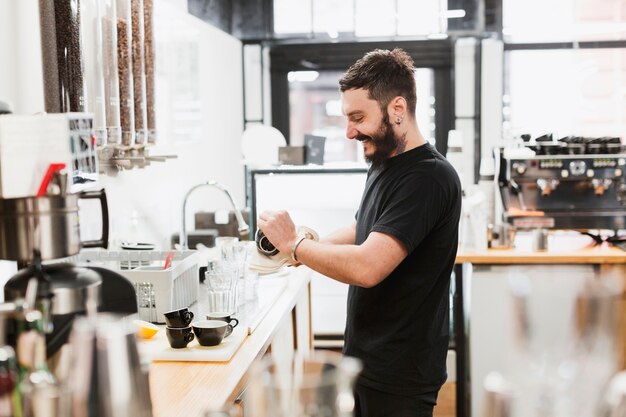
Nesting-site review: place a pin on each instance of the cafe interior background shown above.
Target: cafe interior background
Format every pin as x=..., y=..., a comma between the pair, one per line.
x=521, y=97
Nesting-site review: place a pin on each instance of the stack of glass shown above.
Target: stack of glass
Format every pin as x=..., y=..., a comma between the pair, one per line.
x=221, y=282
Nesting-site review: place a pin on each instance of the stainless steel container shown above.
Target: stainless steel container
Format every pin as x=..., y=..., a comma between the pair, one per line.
x=106, y=377
x=48, y=224
x=73, y=287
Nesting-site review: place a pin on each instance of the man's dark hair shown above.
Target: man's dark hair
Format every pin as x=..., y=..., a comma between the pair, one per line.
x=384, y=74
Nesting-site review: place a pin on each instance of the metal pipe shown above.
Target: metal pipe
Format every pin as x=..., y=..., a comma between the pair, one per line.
x=242, y=225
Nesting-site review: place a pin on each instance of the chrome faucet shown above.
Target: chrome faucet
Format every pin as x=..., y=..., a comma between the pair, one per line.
x=243, y=228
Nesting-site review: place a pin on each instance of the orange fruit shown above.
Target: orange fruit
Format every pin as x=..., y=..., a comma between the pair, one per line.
x=145, y=330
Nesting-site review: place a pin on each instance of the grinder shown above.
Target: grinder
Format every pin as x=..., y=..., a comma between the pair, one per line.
x=69, y=291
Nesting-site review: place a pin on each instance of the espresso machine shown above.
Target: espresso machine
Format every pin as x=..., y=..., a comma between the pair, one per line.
x=574, y=183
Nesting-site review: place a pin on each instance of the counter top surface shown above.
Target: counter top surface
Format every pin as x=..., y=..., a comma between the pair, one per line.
x=190, y=388
x=563, y=247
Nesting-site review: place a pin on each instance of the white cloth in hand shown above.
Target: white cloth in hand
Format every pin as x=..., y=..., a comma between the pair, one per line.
x=264, y=264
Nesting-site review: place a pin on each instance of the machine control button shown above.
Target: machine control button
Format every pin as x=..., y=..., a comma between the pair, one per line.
x=603, y=163
x=590, y=173
x=551, y=163
x=618, y=172
x=564, y=173
x=519, y=167
x=577, y=167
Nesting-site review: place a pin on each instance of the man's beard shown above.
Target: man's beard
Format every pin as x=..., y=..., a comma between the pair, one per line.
x=385, y=143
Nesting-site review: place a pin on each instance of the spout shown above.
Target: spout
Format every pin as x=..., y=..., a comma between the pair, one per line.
x=547, y=186
x=600, y=186
x=242, y=228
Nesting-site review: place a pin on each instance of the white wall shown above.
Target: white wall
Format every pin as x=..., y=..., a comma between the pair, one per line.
x=21, y=83
x=199, y=118
x=202, y=126
x=7, y=51
x=20, y=58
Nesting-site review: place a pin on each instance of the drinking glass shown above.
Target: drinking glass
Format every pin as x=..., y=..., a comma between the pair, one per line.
x=222, y=287
x=250, y=286
x=499, y=396
x=225, y=241
x=317, y=385
x=233, y=252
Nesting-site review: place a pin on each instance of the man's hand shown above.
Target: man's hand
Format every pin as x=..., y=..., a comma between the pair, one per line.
x=279, y=229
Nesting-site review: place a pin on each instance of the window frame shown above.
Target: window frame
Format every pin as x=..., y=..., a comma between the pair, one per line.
x=435, y=54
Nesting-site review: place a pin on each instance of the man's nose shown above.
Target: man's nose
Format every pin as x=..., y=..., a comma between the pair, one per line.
x=351, y=132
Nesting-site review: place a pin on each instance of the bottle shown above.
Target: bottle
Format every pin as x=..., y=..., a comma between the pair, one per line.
x=8, y=379
x=38, y=388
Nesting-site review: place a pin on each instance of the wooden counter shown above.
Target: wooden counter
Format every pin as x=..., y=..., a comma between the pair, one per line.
x=563, y=248
x=189, y=388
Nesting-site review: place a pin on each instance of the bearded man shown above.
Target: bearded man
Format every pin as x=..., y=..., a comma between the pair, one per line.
x=398, y=255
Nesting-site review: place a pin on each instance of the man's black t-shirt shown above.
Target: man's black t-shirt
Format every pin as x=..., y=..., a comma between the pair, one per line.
x=400, y=327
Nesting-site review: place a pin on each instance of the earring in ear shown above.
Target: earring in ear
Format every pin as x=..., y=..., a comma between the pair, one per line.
x=398, y=120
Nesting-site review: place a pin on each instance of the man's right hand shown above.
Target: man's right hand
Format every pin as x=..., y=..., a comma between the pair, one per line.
x=279, y=229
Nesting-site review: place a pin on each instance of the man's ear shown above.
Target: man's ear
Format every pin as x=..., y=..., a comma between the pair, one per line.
x=397, y=109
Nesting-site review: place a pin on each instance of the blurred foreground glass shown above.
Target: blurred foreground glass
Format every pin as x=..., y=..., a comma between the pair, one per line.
x=499, y=395
x=318, y=385
x=46, y=400
x=614, y=401
x=234, y=253
x=223, y=412
x=565, y=331
x=222, y=287
x=225, y=241
x=250, y=289
x=106, y=377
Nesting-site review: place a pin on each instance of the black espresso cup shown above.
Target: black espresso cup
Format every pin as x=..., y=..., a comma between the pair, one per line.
x=211, y=332
x=178, y=318
x=179, y=337
x=223, y=316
